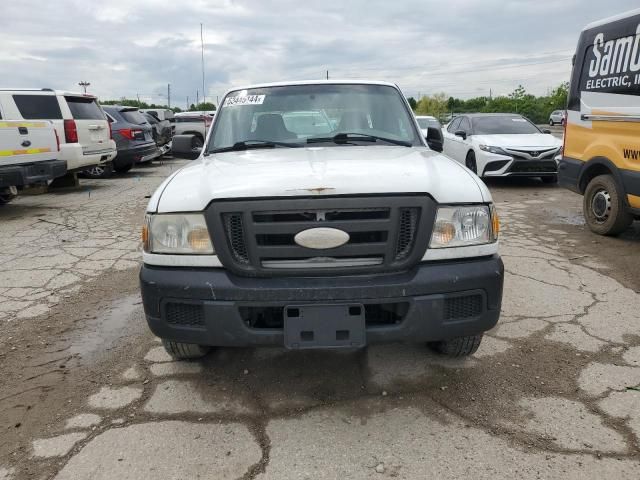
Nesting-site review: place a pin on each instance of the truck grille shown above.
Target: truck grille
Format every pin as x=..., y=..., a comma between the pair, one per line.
x=257, y=236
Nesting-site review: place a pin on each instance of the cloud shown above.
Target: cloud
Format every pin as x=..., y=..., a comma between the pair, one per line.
x=126, y=48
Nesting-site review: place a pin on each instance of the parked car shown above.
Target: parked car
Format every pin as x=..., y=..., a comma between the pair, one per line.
x=133, y=136
x=80, y=122
x=557, y=117
x=601, y=157
x=502, y=145
x=189, y=124
x=162, y=131
x=338, y=240
x=432, y=131
x=28, y=156
x=160, y=113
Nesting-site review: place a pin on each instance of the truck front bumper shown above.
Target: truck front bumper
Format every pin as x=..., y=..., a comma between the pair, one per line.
x=21, y=175
x=433, y=301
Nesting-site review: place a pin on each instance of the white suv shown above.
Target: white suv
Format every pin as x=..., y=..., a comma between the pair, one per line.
x=83, y=129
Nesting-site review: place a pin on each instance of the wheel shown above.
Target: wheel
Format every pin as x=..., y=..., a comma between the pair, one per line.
x=123, y=168
x=459, y=346
x=99, y=171
x=551, y=122
x=8, y=194
x=550, y=179
x=184, y=351
x=604, y=208
x=198, y=142
x=470, y=162
x=562, y=122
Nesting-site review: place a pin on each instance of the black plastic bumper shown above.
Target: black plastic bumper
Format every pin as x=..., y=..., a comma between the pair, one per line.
x=31, y=173
x=210, y=302
x=131, y=156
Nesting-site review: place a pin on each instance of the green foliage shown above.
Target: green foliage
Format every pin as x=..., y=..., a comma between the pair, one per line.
x=537, y=109
x=202, y=106
x=412, y=103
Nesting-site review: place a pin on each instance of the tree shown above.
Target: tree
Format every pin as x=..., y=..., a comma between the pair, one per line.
x=434, y=105
x=412, y=103
x=203, y=106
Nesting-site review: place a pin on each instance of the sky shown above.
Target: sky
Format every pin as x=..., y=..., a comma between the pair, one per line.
x=129, y=48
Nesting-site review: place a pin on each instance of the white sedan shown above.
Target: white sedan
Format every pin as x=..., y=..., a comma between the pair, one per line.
x=502, y=145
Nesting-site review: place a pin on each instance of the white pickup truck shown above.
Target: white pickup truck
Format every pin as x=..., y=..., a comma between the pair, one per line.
x=28, y=155
x=317, y=216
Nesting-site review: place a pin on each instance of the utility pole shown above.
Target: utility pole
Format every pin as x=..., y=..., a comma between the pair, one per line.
x=327, y=74
x=204, y=92
x=84, y=84
x=138, y=97
x=187, y=102
x=169, y=95
x=197, y=98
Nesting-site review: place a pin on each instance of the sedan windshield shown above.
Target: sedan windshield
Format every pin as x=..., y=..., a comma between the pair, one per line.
x=503, y=125
x=322, y=114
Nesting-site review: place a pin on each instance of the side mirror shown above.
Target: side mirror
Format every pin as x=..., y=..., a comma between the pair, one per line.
x=461, y=133
x=546, y=130
x=434, y=139
x=188, y=147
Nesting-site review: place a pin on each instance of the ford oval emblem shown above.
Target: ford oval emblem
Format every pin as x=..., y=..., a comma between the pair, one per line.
x=321, y=238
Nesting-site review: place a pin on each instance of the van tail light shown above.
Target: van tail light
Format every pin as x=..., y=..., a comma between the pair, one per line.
x=132, y=133
x=70, y=131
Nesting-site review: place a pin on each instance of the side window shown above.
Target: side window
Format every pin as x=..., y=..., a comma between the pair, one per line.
x=453, y=126
x=38, y=107
x=465, y=125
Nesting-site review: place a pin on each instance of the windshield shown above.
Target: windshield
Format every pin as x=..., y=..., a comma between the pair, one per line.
x=428, y=122
x=503, y=125
x=291, y=115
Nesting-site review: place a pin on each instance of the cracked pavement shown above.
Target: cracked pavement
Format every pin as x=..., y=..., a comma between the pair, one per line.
x=89, y=393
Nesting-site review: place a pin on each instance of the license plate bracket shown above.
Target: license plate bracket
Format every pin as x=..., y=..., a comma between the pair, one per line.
x=324, y=326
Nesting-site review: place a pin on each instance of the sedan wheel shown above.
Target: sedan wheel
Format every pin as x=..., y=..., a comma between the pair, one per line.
x=470, y=162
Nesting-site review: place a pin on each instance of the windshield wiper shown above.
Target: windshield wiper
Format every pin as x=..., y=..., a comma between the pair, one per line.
x=343, y=138
x=251, y=144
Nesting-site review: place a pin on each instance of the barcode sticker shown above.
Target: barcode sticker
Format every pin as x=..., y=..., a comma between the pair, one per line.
x=244, y=100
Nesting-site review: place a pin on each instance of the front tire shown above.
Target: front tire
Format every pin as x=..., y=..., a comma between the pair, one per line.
x=551, y=123
x=184, y=351
x=604, y=207
x=470, y=162
x=459, y=346
x=8, y=194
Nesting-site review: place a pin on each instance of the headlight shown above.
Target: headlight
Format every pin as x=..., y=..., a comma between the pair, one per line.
x=464, y=225
x=177, y=233
x=490, y=149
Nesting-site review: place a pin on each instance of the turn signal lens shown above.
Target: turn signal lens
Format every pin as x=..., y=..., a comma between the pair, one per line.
x=495, y=223
x=199, y=240
x=444, y=232
x=145, y=234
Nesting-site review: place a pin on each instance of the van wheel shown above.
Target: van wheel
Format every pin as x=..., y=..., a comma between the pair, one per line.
x=184, y=351
x=459, y=346
x=99, y=171
x=470, y=162
x=604, y=208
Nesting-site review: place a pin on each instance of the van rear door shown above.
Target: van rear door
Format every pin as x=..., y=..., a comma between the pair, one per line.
x=91, y=123
x=27, y=142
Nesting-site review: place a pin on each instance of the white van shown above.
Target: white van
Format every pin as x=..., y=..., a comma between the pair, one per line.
x=83, y=129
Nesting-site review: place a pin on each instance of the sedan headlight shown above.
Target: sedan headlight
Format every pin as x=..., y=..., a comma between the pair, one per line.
x=490, y=149
x=185, y=234
x=465, y=225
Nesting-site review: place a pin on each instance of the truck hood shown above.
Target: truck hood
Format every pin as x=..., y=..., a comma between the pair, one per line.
x=533, y=140
x=322, y=171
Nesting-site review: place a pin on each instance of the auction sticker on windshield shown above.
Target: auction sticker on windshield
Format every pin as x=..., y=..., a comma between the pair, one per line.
x=244, y=100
